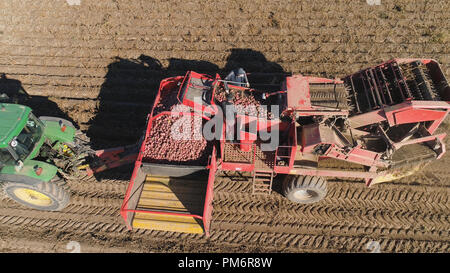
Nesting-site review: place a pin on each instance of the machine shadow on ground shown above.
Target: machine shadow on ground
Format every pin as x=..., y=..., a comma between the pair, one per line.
x=41, y=105
x=130, y=87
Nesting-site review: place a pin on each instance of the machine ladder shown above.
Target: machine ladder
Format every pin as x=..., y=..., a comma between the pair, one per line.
x=262, y=182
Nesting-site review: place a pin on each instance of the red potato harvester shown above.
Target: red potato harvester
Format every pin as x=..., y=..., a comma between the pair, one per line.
x=378, y=124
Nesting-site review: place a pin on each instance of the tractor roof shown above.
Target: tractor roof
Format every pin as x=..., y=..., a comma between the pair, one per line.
x=13, y=118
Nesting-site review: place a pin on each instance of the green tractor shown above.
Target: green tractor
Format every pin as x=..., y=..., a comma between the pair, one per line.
x=37, y=155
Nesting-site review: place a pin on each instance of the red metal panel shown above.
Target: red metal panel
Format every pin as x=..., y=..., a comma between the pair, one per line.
x=298, y=96
x=168, y=83
x=317, y=134
x=185, y=78
x=262, y=123
x=240, y=167
x=364, y=157
x=210, y=109
x=282, y=169
x=310, y=137
x=391, y=111
x=112, y=158
x=293, y=136
x=417, y=115
x=124, y=208
x=357, y=155
x=207, y=210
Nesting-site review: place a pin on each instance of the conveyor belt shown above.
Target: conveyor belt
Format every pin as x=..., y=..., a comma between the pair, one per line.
x=329, y=95
x=172, y=201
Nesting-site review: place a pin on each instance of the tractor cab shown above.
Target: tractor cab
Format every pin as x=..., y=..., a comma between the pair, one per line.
x=24, y=137
x=20, y=133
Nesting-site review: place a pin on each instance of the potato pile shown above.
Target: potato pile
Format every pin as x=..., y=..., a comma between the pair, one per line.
x=184, y=145
x=245, y=103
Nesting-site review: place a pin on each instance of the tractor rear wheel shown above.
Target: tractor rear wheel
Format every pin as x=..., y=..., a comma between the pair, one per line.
x=48, y=196
x=304, y=189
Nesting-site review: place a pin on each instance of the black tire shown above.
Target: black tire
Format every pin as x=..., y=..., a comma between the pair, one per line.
x=56, y=191
x=304, y=189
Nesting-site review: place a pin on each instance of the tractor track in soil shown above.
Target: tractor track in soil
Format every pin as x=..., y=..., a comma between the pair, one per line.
x=335, y=221
x=255, y=218
x=401, y=217
x=69, y=54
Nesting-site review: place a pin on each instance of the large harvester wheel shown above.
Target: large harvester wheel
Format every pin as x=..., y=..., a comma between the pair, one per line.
x=304, y=189
x=48, y=196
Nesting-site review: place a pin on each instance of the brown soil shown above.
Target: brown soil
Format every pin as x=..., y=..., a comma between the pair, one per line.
x=100, y=64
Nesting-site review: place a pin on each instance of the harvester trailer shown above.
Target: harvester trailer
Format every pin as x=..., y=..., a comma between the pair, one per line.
x=378, y=124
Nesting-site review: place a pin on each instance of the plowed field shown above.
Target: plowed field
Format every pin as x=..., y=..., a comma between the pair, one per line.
x=99, y=64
